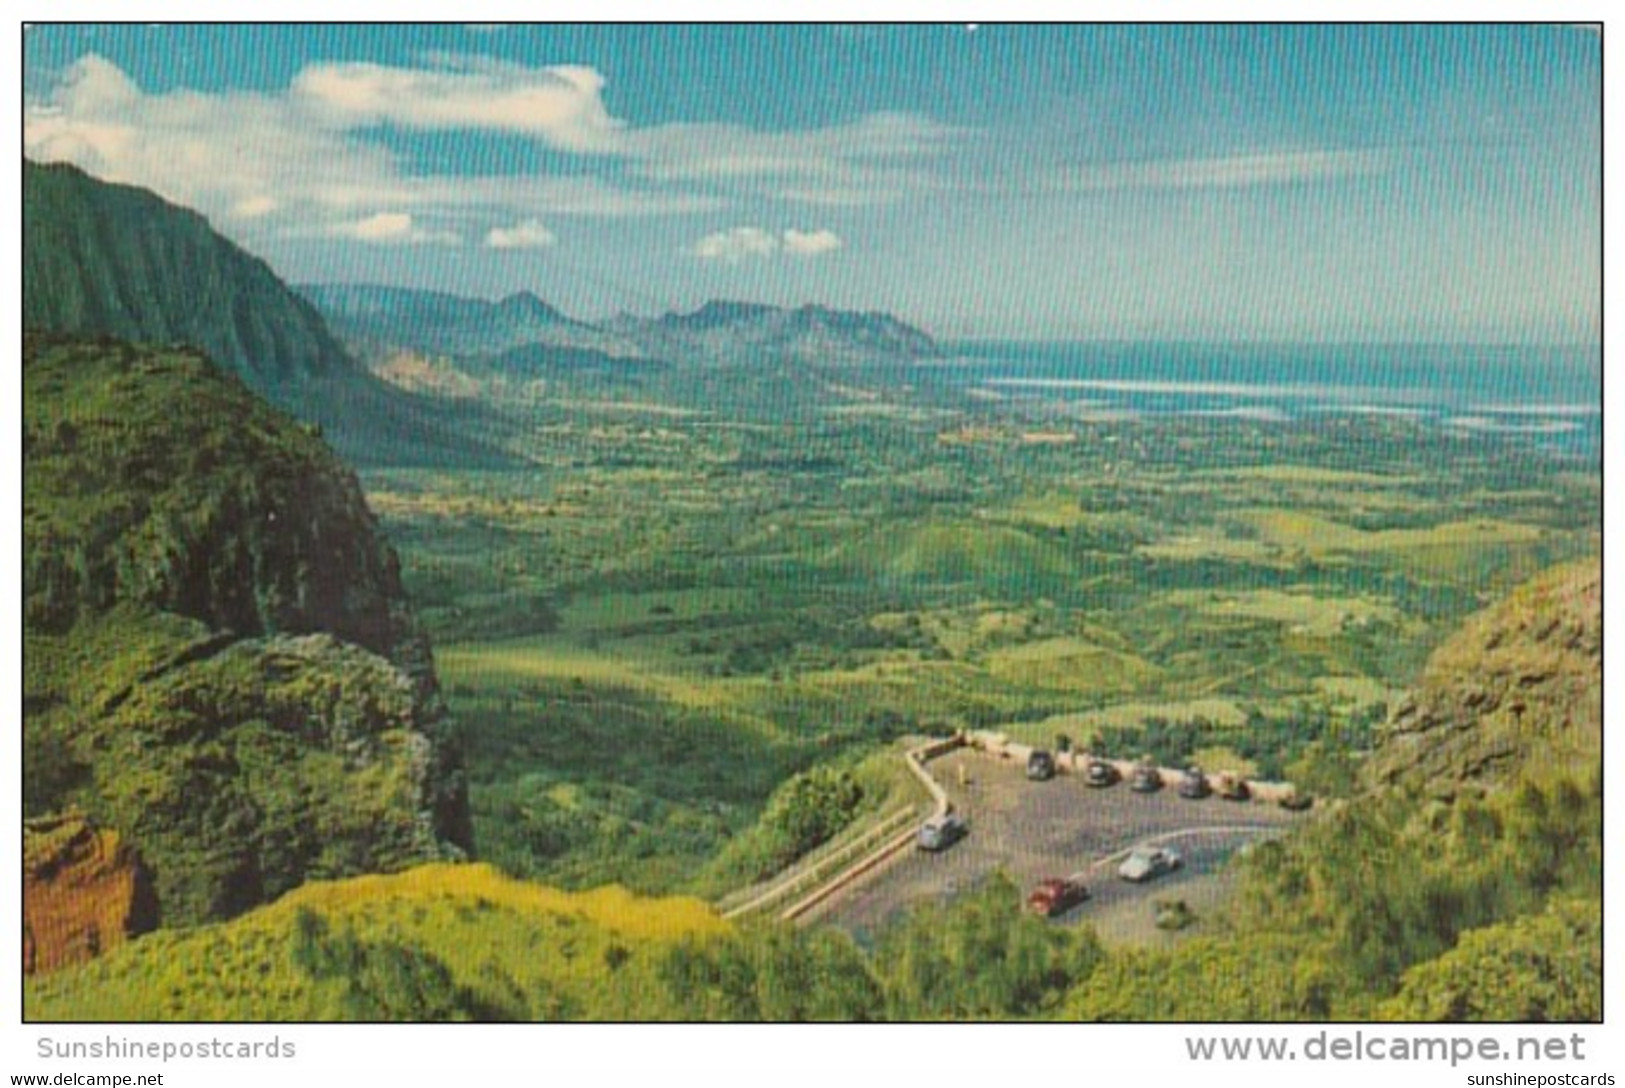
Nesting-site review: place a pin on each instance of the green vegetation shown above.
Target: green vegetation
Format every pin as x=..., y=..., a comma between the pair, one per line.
x=219, y=663
x=709, y=581
x=106, y=260
x=464, y=942
x=1541, y=967
x=153, y=478
x=805, y=812
x=1382, y=908
x=686, y=612
x=682, y=653
x=1388, y=907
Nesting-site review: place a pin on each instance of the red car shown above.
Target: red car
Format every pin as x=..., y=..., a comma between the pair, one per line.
x=1056, y=896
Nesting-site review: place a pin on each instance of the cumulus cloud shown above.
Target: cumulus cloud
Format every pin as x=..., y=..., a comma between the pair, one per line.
x=529, y=234
x=296, y=163
x=391, y=228
x=810, y=243
x=738, y=244
x=560, y=105
x=746, y=243
x=308, y=160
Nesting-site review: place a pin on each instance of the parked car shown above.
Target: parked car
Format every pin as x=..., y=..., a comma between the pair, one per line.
x=1056, y=896
x=1147, y=779
x=1232, y=787
x=1193, y=784
x=1147, y=863
x=1100, y=773
x=1040, y=765
x=941, y=832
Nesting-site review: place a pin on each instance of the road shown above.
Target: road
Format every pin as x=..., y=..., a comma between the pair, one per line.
x=1033, y=830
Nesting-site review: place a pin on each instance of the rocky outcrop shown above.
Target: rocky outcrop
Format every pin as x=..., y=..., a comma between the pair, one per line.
x=1515, y=693
x=223, y=663
x=275, y=761
x=84, y=893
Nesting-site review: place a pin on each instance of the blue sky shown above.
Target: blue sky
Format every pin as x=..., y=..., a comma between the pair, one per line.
x=1120, y=182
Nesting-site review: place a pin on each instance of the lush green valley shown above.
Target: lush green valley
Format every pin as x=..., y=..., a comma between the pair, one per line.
x=621, y=623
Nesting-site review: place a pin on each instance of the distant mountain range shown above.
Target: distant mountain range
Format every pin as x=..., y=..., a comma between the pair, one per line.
x=376, y=320
x=111, y=260
x=722, y=331
x=117, y=261
x=436, y=323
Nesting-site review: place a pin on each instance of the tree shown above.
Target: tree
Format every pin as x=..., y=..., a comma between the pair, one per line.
x=981, y=957
x=1545, y=967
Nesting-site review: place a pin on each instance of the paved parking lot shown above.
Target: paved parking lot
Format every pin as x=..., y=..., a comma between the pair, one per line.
x=1057, y=828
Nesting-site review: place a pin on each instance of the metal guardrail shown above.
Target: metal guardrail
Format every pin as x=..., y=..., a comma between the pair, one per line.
x=916, y=759
x=816, y=868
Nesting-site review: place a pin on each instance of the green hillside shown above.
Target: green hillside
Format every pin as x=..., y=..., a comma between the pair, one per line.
x=115, y=260
x=121, y=261
x=992, y=555
x=1386, y=906
x=220, y=664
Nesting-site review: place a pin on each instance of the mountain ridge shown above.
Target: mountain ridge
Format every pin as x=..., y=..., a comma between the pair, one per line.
x=732, y=331
x=119, y=260
x=105, y=259
x=378, y=320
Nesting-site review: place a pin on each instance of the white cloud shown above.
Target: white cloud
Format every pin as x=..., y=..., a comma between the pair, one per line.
x=1223, y=172
x=738, y=244
x=529, y=234
x=307, y=160
x=383, y=227
x=391, y=228
x=560, y=105
x=811, y=243
x=290, y=164
x=746, y=243
x=873, y=160
x=97, y=84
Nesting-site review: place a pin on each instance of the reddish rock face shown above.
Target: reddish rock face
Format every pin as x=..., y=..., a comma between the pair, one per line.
x=84, y=892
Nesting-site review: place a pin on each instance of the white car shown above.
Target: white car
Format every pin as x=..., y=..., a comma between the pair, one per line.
x=939, y=833
x=1147, y=863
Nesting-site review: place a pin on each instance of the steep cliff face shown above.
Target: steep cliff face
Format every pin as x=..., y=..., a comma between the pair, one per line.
x=1517, y=692
x=221, y=663
x=151, y=477
x=103, y=260
x=121, y=261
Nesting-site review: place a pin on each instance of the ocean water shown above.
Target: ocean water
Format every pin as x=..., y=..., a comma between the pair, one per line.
x=1550, y=395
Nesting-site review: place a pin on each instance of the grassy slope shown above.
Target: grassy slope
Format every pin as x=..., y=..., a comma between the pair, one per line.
x=507, y=948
